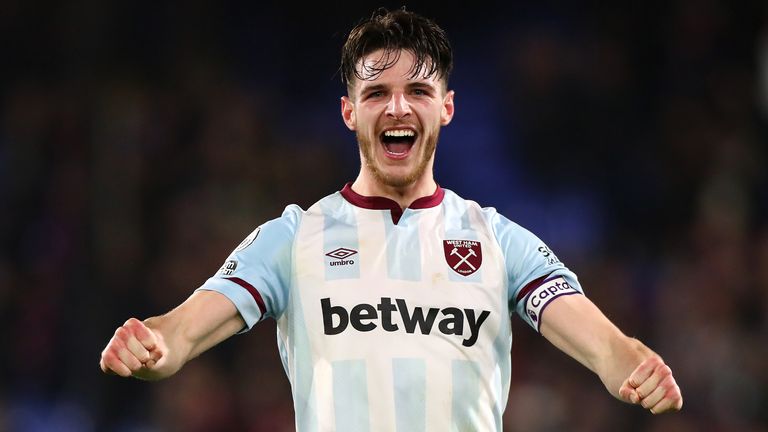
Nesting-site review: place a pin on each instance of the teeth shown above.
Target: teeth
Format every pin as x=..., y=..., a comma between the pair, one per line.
x=399, y=133
x=394, y=153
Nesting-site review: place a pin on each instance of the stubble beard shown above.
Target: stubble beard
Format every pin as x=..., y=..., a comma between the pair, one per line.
x=367, y=149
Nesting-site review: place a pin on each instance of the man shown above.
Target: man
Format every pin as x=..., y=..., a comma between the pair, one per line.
x=393, y=296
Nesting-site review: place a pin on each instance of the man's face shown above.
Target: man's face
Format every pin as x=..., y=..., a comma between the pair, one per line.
x=397, y=119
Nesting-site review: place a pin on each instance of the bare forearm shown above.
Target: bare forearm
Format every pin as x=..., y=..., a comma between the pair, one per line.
x=630, y=371
x=176, y=349
x=158, y=347
x=187, y=334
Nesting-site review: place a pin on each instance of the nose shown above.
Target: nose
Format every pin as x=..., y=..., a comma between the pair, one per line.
x=398, y=107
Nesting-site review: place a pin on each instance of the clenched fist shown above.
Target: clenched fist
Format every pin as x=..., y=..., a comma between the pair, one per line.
x=652, y=386
x=134, y=350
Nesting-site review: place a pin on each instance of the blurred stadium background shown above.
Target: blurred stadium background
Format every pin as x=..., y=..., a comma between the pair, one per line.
x=141, y=141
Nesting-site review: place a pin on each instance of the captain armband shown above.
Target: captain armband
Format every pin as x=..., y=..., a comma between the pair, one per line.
x=540, y=297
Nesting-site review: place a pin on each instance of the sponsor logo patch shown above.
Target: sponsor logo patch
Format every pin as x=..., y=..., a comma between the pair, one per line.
x=548, y=255
x=539, y=298
x=533, y=316
x=463, y=256
x=228, y=268
x=396, y=315
x=340, y=256
x=248, y=240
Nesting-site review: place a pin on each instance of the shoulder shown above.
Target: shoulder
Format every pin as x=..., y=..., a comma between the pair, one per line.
x=329, y=205
x=293, y=214
x=285, y=224
x=495, y=221
x=455, y=205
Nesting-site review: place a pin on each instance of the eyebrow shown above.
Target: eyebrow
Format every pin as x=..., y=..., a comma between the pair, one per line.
x=379, y=87
x=372, y=88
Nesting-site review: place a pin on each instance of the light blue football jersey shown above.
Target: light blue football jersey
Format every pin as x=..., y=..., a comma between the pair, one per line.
x=390, y=319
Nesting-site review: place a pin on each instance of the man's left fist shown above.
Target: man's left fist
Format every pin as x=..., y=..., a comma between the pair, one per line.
x=652, y=386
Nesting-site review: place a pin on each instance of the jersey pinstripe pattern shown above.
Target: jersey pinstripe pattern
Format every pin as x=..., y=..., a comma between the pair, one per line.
x=394, y=320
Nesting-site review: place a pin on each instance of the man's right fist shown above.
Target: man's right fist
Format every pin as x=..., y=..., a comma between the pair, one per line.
x=132, y=350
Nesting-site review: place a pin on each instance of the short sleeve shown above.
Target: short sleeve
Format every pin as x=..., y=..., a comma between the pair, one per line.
x=535, y=275
x=256, y=275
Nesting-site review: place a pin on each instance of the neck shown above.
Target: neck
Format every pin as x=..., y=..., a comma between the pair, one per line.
x=367, y=185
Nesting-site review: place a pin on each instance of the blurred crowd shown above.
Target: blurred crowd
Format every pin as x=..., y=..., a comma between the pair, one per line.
x=140, y=143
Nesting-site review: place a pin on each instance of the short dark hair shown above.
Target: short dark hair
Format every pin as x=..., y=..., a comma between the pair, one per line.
x=393, y=31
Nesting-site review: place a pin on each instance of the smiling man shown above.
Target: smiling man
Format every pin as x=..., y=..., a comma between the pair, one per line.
x=393, y=296
x=396, y=111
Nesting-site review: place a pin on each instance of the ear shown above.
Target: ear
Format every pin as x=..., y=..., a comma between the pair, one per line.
x=447, y=112
x=348, y=112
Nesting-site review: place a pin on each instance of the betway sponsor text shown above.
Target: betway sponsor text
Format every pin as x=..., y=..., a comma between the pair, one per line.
x=366, y=317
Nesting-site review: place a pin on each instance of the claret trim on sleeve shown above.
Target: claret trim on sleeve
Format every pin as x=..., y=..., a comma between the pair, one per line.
x=253, y=291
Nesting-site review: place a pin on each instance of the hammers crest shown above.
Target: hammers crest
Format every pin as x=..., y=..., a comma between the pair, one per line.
x=463, y=256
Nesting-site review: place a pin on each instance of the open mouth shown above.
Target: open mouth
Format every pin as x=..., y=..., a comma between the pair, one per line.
x=398, y=142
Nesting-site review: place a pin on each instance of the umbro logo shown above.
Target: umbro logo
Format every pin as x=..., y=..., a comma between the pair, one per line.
x=340, y=256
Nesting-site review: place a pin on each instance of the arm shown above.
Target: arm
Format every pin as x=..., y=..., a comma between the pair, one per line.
x=159, y=346
x=630, y=371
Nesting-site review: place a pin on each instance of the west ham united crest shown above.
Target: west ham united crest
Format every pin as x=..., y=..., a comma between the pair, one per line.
x=463, y=256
